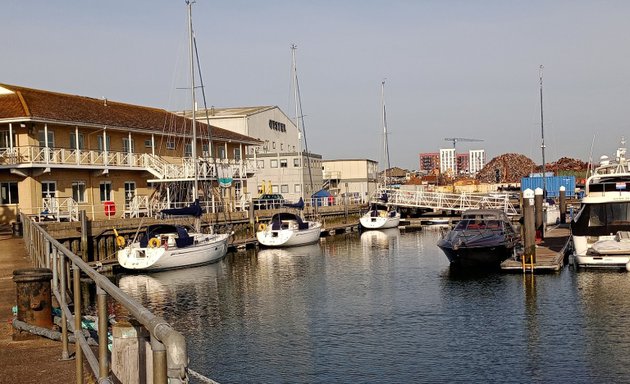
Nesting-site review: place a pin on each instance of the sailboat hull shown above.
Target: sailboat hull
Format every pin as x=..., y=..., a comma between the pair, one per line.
x=290, y=237
x=210, y=249
x=380, y=221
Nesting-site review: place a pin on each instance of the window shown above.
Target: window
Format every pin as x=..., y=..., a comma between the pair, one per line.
x=296, y=162
x=274, y=189
x=274, y=163
x=283, y=163
x=260, y=164
x=130, y=192
x=49, y=189
x=4, y=139
x=9, y=193
x=238, y=189
x=78, y=191
x=106, y=190
x=147, y=143
x=237, y=154
x=281, y=146
x=273, y=145
x=221, y=151
x=170, y=143
x=42, y=138
x=205, y=150
x=128, y=145
x=100, y=143
x=297, y=188
x=73, y=140
x=284, y=188
x=188, y=150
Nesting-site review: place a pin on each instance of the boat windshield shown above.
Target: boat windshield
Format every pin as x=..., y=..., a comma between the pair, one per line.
x=469, y=225
x=602, y=219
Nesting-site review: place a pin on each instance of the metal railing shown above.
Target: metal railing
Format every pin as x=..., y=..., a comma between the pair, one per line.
x=170, y=358
x=446, y=201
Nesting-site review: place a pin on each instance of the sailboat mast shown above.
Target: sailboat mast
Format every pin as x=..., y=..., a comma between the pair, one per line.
x=385, y=143
x=542, y=130
x=193, y=101
x=297, y=117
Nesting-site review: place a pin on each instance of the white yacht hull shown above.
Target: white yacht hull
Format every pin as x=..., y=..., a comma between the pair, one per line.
x=290, y=237
x=379, y=222
x=605, y=253
x=207, y=249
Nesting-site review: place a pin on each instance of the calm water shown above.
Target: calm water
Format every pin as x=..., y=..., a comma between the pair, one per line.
x=384, y=307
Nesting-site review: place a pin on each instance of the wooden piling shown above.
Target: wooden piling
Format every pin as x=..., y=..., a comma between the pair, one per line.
x=131, y=354
x=563, y=205
x=538, y=202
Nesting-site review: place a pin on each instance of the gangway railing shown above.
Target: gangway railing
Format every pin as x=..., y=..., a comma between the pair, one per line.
x=446, y=201
x=170, y=358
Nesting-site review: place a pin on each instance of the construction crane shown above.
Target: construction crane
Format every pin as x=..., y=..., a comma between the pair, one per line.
x=456, y=139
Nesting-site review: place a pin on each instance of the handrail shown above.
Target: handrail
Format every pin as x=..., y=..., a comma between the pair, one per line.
x=45, y=251
x=445, y=201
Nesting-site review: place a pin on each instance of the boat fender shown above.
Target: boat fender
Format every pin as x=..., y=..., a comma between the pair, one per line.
x=262, y=227
x=154, y=243
x=120, y=241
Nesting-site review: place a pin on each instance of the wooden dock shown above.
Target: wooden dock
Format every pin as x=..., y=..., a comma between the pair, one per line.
x=550, y=253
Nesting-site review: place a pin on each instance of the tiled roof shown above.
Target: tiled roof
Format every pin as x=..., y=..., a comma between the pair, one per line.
x=34, y=104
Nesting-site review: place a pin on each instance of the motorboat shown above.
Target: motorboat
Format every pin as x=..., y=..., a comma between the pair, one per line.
x=170, y=246
x=482, y=237
x=287, y=229
x=601, y=229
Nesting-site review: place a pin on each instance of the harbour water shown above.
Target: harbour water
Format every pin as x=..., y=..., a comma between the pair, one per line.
x=384, y=307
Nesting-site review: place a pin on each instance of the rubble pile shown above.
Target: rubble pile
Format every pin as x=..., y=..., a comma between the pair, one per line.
x=507, y=168
x=567, y=164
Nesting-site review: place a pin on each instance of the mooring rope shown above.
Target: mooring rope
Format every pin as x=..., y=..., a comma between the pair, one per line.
x=201, y=377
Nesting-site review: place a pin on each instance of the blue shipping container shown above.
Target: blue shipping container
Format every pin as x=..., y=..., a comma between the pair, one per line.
x=553, y=185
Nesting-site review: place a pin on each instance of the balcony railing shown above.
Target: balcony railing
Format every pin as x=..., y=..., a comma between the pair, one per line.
x=158, y=166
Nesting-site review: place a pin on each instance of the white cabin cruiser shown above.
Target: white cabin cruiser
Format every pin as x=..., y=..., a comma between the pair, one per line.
x=601, y=229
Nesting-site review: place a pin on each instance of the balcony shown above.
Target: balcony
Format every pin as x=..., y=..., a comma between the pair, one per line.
x=208, y=169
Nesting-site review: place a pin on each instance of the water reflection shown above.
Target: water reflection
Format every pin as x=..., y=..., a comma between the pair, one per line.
x=385, y=307
x=381, y=238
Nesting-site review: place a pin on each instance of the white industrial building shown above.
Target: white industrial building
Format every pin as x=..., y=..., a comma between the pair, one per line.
x=356, y=177
x=281, y=161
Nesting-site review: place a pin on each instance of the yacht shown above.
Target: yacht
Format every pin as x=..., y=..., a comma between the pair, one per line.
x=601, y=229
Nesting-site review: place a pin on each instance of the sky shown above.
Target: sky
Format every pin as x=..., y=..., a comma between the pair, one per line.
x=463, y=68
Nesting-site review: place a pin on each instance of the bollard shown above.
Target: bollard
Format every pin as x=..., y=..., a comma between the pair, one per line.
x=33, y=297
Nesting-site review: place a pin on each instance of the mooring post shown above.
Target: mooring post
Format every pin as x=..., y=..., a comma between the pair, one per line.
x=563, y=205
x=84, y=235
x=538, y=201
x=529, y=228
x=64, y=320
x=250, y=214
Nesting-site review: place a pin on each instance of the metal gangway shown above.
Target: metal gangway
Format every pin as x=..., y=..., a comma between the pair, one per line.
x=445, y=201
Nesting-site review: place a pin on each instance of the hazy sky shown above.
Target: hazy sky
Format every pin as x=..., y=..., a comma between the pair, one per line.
x=453, y=68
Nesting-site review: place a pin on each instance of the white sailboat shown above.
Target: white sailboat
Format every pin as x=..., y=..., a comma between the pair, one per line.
x=289, y=229
x=169, y=246
x=381, y=215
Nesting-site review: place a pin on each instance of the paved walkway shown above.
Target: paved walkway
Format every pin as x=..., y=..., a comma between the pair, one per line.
x=29, y=361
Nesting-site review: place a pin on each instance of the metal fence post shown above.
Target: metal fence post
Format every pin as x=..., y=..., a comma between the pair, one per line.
x=64, y=319
x=160, y=375
x=103, y=323
x=76, y=275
